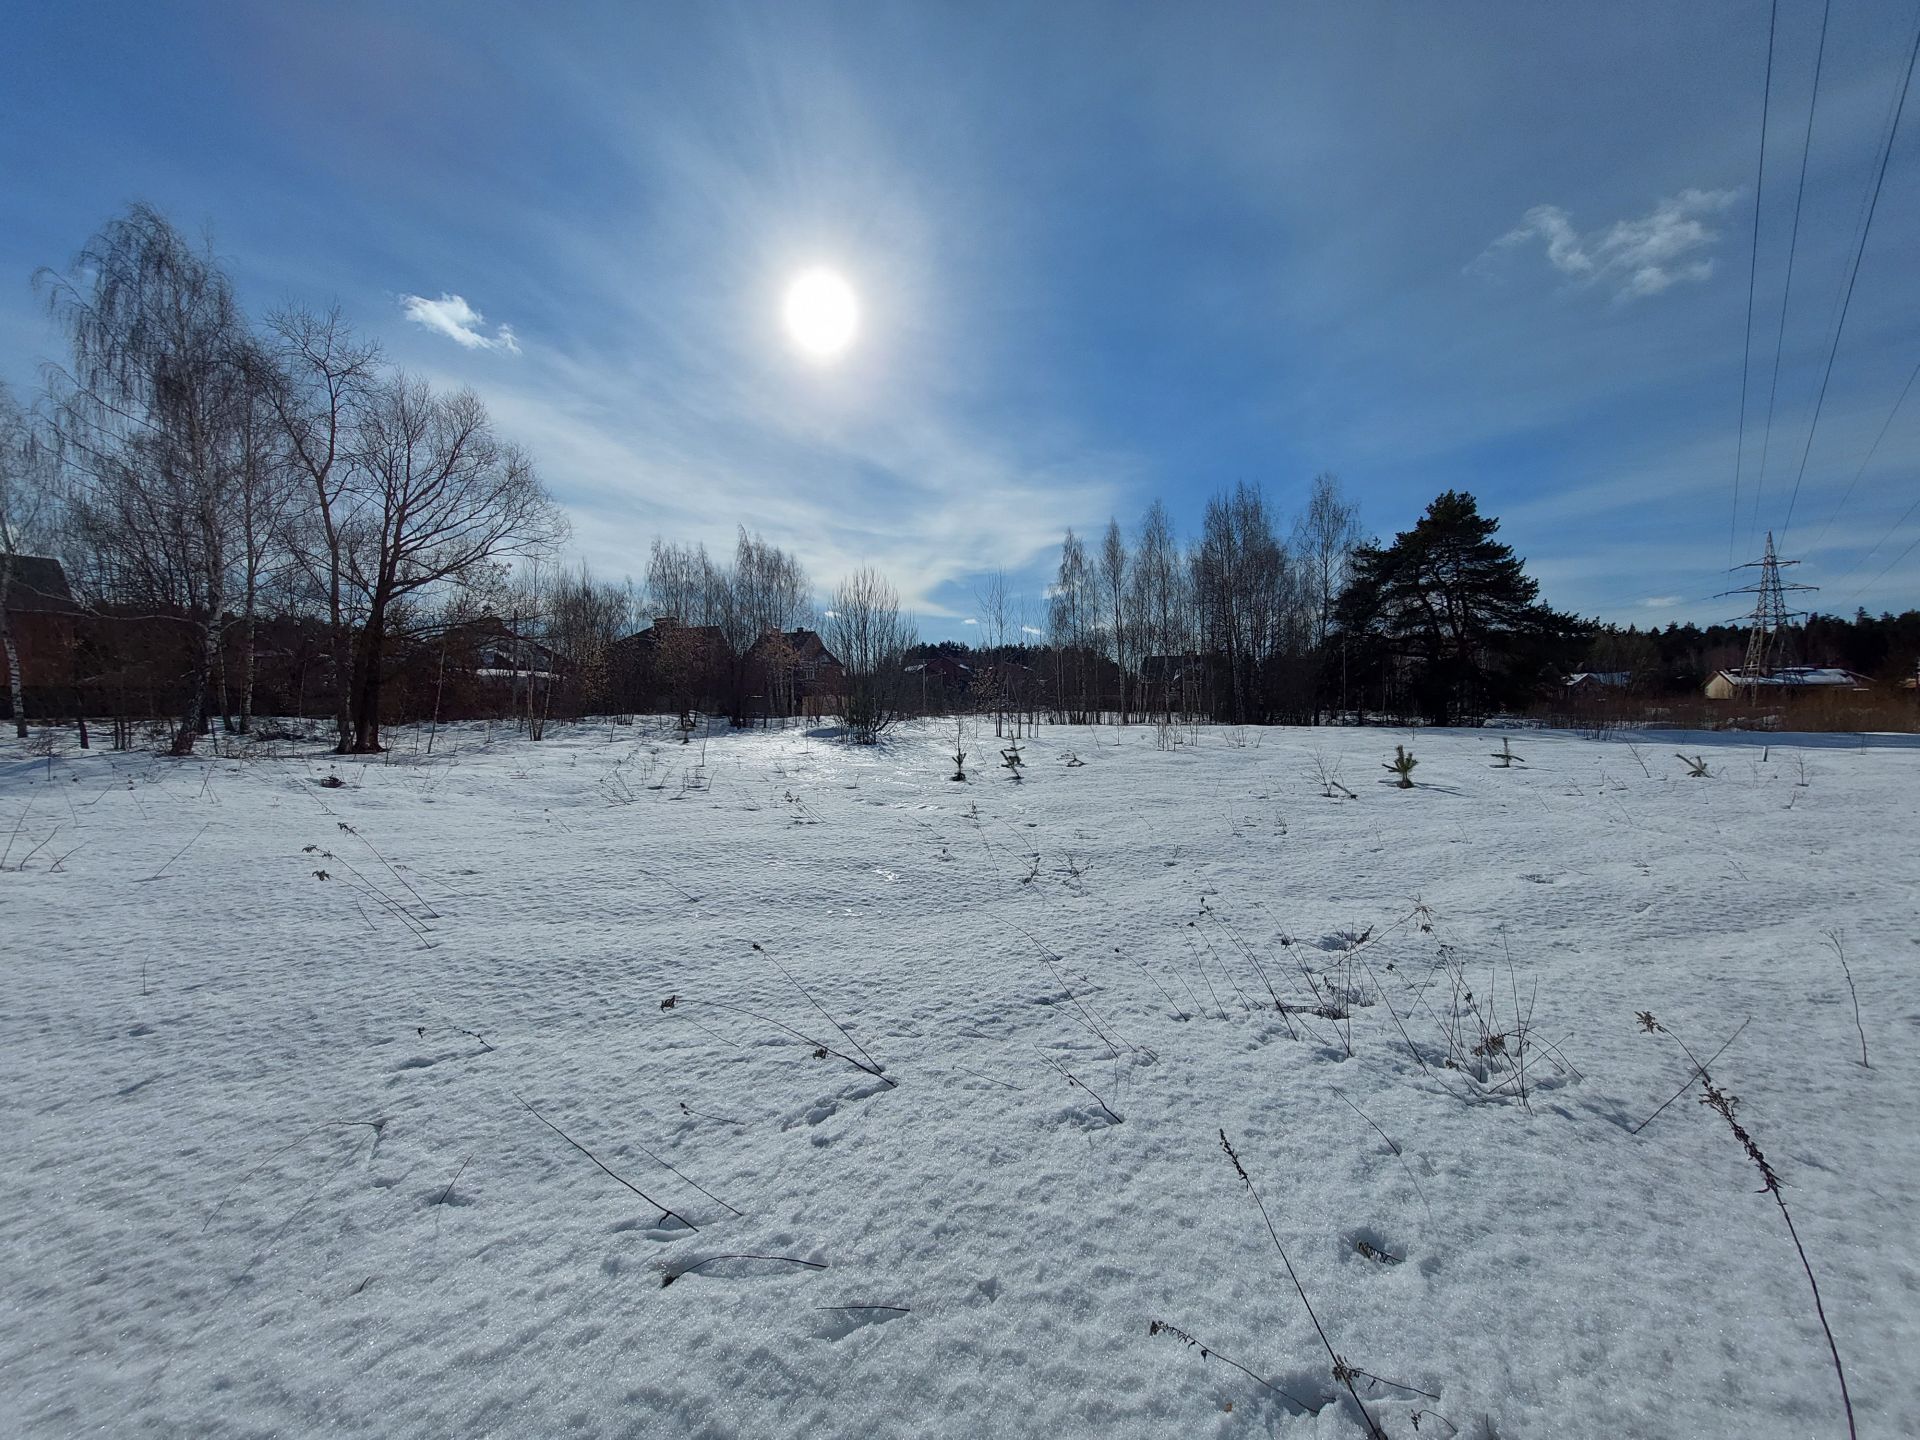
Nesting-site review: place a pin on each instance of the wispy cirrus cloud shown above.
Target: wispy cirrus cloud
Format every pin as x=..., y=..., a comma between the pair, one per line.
x=454, y=318
x=1632, y=258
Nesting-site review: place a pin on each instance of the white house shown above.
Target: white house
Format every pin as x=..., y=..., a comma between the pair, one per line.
x=1786, y=680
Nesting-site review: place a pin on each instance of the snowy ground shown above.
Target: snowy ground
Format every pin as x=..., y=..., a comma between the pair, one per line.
x=270, y=1166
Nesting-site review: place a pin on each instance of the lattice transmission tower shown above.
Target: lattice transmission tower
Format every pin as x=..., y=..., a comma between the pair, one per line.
x=1768, y=622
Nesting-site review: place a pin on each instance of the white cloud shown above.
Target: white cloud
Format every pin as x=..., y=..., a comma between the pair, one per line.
x=1031, y=630
x=454, y=318
x=969, y=621
x=1632, y=258
x=1661, y=602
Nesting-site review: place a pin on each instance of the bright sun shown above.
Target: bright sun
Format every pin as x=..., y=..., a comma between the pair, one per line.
x=822, y=313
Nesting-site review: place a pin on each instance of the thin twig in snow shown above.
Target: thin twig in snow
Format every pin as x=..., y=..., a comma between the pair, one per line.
x=1341, y=1370
x=1700, y=1072
x=816, y=1004
x=1208, y=1352
x=1840, y=952
x=176, y=855
x=1391, y=1145
x=664, y=1211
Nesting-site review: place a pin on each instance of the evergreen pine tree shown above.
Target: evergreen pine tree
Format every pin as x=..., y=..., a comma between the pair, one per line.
x=1448, y=620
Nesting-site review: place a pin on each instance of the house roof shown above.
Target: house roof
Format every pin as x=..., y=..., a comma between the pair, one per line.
x=1830, y=677
x=1601, y=677
x=40, y=585
x=712, y=636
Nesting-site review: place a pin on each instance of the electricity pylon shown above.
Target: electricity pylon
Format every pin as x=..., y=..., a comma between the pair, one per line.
x=1770, y=615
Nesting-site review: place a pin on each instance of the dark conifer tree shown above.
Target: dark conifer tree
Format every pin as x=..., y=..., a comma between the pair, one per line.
x=1447, y=619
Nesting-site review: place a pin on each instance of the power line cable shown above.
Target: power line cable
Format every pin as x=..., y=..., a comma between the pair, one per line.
x=1753, y=272
x=1911, y=545
x=1793, y=247
x=1872, y=450
x=1874, y=549
x=1853, y=275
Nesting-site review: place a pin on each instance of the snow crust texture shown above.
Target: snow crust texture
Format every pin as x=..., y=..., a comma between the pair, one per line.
x=330, y=1108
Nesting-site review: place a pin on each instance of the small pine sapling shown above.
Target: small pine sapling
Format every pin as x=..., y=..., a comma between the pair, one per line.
x=1011, y=759
x=1402, y=766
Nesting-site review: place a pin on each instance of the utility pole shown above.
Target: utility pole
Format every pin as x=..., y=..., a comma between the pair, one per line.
x=1768, y=622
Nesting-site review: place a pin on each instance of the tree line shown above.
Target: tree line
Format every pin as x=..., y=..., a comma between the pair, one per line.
x=206, y=479
x=202, y=472
x=1256, y=621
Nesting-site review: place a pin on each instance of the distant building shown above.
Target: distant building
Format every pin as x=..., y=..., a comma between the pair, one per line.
x=1588, y=682
x=500, y=653
x=943, y=670
x=1170, y=669
x=41, y=616
x=689, y=667
x=1785, y=681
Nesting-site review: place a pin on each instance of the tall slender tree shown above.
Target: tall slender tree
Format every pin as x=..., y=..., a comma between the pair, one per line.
x=1115, y=620
x=322, y=377
x=1244, y=587
x=1159, y=600
x=1072, y=616
x=1324, y=539
x=754, y=603
x=153, y=416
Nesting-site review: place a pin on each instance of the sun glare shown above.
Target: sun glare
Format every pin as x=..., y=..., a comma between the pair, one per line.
x=822, y=313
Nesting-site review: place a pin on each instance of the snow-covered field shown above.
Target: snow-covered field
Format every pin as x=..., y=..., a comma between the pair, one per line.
x=276, y=1058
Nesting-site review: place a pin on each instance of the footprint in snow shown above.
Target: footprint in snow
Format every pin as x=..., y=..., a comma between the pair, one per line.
x=827, y=1106
x=839, y=1321
x=1086, y=1118
x=658, y=1228
x=426, y=1062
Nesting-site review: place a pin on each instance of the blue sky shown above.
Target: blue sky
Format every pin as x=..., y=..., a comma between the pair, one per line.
x=1103, y=253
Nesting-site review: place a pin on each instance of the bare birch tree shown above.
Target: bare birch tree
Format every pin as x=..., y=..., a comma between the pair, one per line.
x=1071, y=618
x=1243, y=586
x=1158, y=599
x=866, y=632
x=151, y=418
x=763, y=593
x=1113, y=594
x=991, y=596
x=1324, y=539
x=680, y=582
